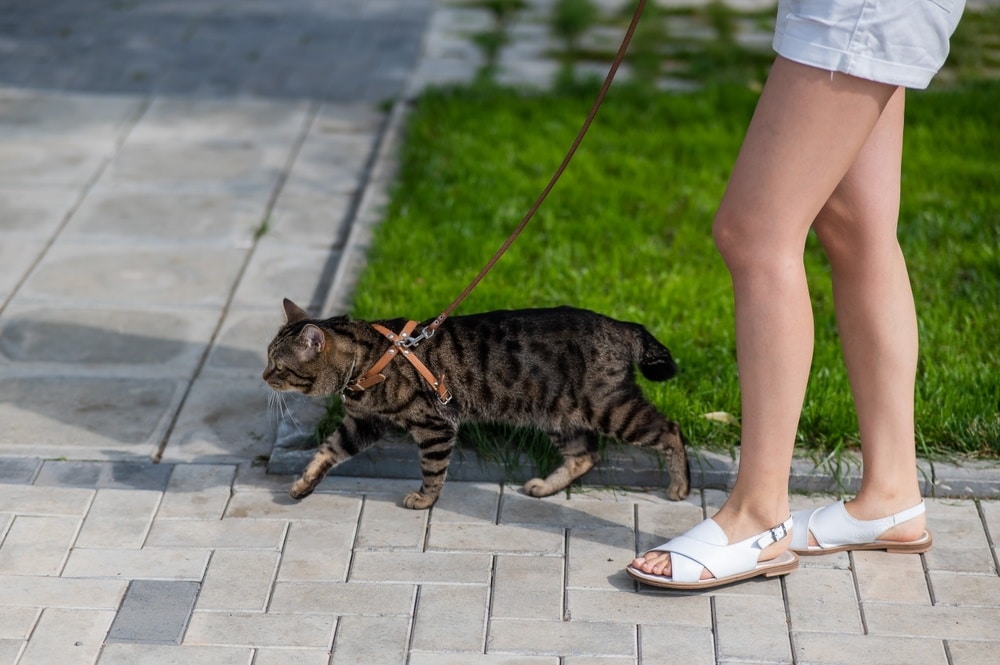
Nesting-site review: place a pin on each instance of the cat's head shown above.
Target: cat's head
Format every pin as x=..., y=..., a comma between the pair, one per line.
x=303, y=357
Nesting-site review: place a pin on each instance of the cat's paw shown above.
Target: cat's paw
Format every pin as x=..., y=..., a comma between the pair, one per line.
x=301, y=489
x=418, y=501
x=678, y=491
x=538, y=487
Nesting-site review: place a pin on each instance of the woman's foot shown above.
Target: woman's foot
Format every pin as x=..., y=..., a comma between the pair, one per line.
x=708, y=557
x=841, y=527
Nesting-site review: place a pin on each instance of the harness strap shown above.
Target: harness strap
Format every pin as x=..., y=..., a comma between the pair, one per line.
x=374, y=376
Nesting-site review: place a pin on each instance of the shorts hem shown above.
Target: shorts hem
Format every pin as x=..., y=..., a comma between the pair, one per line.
x=852, y=64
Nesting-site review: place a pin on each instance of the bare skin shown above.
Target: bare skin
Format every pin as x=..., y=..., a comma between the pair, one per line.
x=822, y=151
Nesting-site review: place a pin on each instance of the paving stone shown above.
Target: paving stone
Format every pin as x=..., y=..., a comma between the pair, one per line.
x=70, y=416
x=33, y=213
x=333, y=161
x=765, y=638
x=238, y=580
x=37, y=545
x=528, y=587
x=562, y=512
x=450, y=618
x=824, y=600
x=941, y=621
x=291, y=657
x=16, y=622
x=304, y=215
x=371, y=640
x=154, y=612
x=991, y=510
x=356, y=598
x=475, y=503
x=971, y=653
x=648, y=609
x=67, y=636
x=960, y=543
x=18, y=470
x=42, y=114
x=61, y=592
x=242, y=341
x=298, y=559
x=191, y=165
x=260, y=630
x=155, y=654
x=119, y=517
x=890, y=577
x=197, y=491
x=216, y=534
x=151, y=564
x=965, y=590
x=192, y=276
x=275, y=272
x=598, y=660
x=671, y=643
x=46, y=500
x=9, y=650
x=17, y=255
x=438, y=658
x=83, y=338
x=422, y=567
x=52, y=162
x=499, y=539
x=387, y=524
x=118, y=215
x=597, y=558
x=106, y=475
x=204, y=119
x=840, y=649
x=561, y=638
x=329, y=508
x=225, y=420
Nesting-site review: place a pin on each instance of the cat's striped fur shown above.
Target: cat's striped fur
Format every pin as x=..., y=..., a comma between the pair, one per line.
x=568, y=372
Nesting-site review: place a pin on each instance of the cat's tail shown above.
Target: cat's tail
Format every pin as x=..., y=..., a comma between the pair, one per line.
x=654, y=359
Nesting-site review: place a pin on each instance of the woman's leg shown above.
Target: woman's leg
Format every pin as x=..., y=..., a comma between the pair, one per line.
x=807, y=130
x=876, y=321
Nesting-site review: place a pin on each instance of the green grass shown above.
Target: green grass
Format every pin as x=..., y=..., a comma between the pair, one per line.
x=627, y=232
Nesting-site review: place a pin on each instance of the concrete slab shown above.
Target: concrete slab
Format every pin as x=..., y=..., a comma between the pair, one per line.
x=33, y=212
x=84, y=417
x=154, y=612
x=276, y=272
x=191, y=277
x=114, y=215
x=225, y=419
x=61, y=339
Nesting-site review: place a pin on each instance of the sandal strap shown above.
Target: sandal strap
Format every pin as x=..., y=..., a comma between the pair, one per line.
x=706, y=547
x=833, y=526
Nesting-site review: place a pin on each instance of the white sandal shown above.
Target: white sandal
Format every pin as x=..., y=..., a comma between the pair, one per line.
x=836, y=531
x=706, y=547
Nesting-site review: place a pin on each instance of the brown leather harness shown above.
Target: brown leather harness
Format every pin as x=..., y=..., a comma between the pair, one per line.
x=402, y=345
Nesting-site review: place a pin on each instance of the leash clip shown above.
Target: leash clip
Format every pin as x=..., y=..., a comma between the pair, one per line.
x=410, y=342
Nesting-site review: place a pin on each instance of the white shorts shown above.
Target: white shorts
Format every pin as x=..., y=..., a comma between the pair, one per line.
x=900, y=42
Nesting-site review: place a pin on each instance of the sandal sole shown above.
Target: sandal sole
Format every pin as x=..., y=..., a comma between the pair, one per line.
x=780, y=565
x=918, y=546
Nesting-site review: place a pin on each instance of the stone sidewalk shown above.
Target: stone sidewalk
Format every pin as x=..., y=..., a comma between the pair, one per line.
x=168, y=172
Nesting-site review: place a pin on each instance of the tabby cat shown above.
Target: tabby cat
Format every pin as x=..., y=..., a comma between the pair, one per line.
x=568, y=372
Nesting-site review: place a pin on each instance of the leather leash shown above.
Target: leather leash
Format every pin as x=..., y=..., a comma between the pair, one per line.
x=427, y=332
x=404, y=342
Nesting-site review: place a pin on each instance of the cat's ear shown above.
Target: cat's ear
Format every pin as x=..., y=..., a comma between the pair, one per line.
x=313, y=341
x=293, y=312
